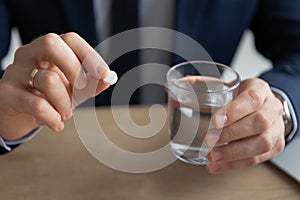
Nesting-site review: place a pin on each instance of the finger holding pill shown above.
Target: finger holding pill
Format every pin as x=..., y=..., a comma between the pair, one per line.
x=111, y=78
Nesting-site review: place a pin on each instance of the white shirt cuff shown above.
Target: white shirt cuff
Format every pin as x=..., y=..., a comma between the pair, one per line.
x=6, y=143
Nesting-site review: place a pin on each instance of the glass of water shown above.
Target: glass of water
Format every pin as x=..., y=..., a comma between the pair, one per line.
x=196, y=90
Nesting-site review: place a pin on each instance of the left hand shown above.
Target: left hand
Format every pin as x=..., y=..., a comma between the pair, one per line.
x=253, y=131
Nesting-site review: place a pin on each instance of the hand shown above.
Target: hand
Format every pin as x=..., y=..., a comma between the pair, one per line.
x=253, y=131
x=59, y=84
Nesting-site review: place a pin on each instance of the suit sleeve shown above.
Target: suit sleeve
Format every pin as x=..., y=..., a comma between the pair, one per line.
x=277, y=36
x=5, y=31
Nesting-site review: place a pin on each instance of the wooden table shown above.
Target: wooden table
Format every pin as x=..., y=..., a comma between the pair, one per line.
x=57, y=166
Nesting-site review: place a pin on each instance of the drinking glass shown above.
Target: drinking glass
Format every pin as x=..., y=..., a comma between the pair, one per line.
x=196, y=90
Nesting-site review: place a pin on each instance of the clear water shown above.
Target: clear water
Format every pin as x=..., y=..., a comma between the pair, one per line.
x=188, y=129
x=190, y=122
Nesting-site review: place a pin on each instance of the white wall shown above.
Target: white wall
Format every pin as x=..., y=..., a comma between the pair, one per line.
x=15, y=43
x=247, y=61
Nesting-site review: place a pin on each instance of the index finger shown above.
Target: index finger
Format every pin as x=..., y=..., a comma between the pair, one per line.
x=247, y=102
x=99, y=76
x=90, y=59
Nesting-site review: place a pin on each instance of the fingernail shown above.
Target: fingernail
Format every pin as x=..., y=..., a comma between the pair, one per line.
x=81, y=82
x=216, y=156
x=100, y=69
x=69, y=114
x=60, y=127
x=220, y=121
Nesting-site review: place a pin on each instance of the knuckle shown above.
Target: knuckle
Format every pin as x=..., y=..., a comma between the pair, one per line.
x=10, y=69
x=49, y=41
x=232, y=110
x=65, y=104
x=261, y=83
x=51, y=78
x=38, y=105
x=255, y=98
x=278, y=106
x=266, y=144
x=70, y=36
x=20, y=51
x=261, y=122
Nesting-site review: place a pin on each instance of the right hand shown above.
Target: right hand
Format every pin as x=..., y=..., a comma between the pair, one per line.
x=59, y=81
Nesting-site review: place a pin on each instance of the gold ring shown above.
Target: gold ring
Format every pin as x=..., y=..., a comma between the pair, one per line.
x=32, y=75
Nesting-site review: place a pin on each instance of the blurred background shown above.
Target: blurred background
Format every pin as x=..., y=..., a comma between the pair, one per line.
x=247, y=61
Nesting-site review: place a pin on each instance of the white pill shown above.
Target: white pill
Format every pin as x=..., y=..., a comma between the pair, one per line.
x=111, y=79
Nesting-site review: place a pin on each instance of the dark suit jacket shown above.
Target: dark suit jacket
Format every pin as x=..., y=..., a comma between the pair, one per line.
x=216, y=24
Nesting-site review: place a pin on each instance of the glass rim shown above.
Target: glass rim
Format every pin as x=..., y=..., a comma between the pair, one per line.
x=231, y=88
